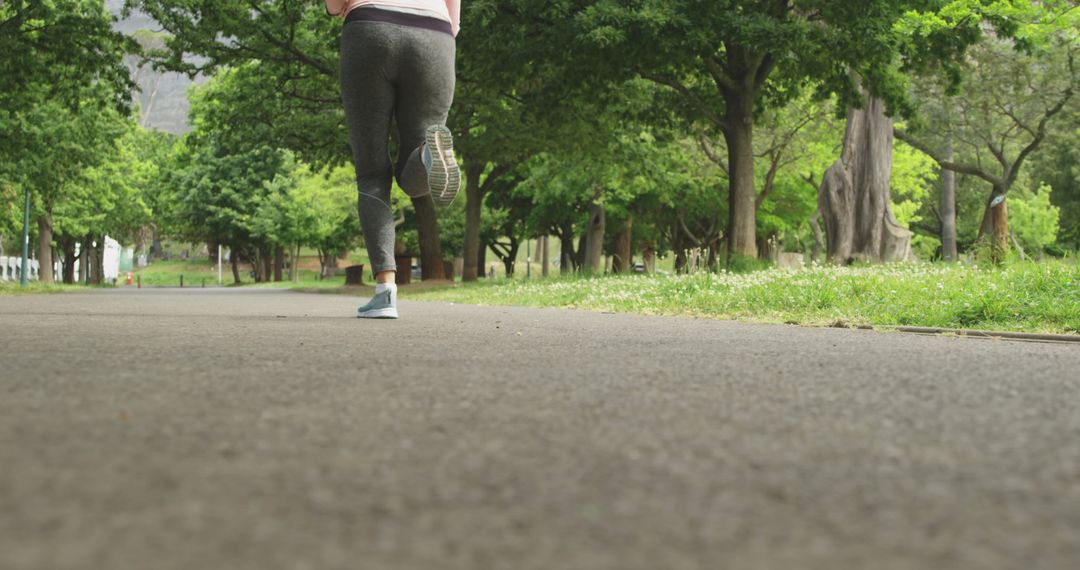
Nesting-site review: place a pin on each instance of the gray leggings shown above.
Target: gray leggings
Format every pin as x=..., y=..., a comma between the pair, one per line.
x=390, y=71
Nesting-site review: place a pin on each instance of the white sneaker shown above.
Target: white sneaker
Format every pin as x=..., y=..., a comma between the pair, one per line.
x=381, y=306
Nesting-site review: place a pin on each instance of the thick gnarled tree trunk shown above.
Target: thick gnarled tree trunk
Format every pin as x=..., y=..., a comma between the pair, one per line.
x=855, y=197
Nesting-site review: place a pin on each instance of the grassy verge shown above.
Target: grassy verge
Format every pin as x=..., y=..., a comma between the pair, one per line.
x=167, y=273
x=1025, y=297
x=308, y=280
x=196, y=271
x=10, y=289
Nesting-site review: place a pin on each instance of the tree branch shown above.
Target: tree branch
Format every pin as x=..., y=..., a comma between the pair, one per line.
x=1015, y=170
x=687, y=94
x=945, y=163
x=710, y=153
x=770, y=181
x=722, y=81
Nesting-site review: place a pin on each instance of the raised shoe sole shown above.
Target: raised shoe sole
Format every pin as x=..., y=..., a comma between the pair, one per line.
x=444, y=179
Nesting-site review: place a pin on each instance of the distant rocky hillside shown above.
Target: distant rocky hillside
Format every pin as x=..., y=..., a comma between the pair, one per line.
x=162, y=98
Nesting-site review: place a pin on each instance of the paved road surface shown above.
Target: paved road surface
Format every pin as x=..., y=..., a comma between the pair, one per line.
x=242, y=429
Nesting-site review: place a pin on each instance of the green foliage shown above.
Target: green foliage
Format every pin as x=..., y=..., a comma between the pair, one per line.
x=52, y=50
x=913, y=178
x=276, y=73
x=219, y=191
x=326, y=202
x=1059, y=168
x=1014, y=97
x=560, y=104
x=111, y=197
x=1034, y=220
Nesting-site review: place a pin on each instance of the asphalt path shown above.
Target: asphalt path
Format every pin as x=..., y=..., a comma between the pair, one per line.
x=247, y=429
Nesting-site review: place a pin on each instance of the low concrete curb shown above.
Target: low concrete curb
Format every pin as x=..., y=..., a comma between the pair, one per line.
x=1030, y=337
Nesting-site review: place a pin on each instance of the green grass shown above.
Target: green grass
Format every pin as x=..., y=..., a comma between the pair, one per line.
x=167, y=273
x=308, y=280
x=10, y=289
x=1028, y=297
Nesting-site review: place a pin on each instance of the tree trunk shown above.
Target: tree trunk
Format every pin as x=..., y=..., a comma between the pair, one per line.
x=267, y=263
x=45, y=238
x=1001, y=231
x=545, y=258
x=155, y=245
x=294, y=264
x=431, y=261
x=678, y=243
x=67, y=246
x=481, y=258
x=328, y=264
x=84, y=260
x=93, y=251
x=567, y=257
x=279, y=262
x=98, y=275
x=594, y=242
x=948, y=209
x=855, y=197
x=140, y=243
x=579, y=254
x=995, y=225
x=509, y=262
x=623, y=247
x=742, y=220
x=819, y=238
x=648, y=256
x=234, y=260
x=212, y=250
x=474, y=199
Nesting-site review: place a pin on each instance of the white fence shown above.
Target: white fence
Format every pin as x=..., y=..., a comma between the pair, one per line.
x=11, y=267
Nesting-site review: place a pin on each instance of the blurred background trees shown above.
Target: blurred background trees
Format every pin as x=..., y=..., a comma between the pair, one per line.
x=700, y=133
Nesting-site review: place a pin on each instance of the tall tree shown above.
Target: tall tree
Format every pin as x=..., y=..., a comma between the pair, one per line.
x=1012, y=94
x=855, y=197
x=727, y=59
x=62, y=79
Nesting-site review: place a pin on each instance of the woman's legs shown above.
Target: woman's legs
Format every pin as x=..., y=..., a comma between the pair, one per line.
x=425, y=92
x=368, y=64
x=389, y=70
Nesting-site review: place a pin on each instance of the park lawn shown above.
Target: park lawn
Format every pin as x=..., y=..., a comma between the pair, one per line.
x=1023, y=297
x=12, y=288
x=167, y=274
